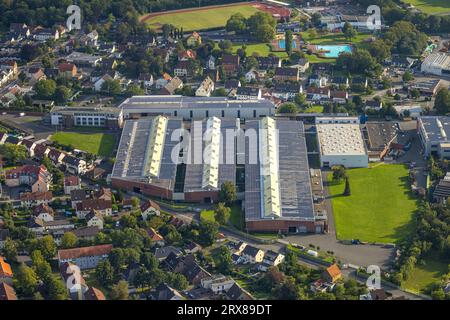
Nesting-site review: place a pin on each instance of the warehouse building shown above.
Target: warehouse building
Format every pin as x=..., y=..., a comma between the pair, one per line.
x=91, y=116
x=341, y=144
x=437, y=64
x=278, y=196
x=195, y=107
x=434, y=133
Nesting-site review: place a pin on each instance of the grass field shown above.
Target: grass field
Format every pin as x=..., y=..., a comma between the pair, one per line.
x=431, y=6
x=263, y=49
x=200, y=19
x=379, y=208
x=425, y=275
x=101, y=144
x=314, y=109
x=236, y=217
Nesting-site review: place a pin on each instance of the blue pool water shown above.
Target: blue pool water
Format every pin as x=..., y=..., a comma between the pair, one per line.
x=333, y=51
x=282, y=44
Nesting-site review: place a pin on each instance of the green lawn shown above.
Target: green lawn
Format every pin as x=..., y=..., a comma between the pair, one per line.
x=236, y=217
x=379, y=208
x=207, y=215
x=425, y=275
x=263, y=49
x=101, y=144
x=200, y=19
x=332, y=38
x=431, y=6
x=314, y=109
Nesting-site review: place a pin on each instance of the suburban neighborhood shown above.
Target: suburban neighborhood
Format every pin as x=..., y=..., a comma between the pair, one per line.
x=225, y=150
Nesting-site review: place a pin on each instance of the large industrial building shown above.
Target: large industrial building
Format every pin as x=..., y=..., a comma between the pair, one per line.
x=278, y=196
x=169, y=158
x=434, y=133
x=436, y=63
x=195, y=107
x=341, y=144
x=90, y=116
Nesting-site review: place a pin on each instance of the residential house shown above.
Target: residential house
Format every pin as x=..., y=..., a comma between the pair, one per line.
x=71, y=183
x=20, y=30
x=94, y=294
x=162, y=81
x=68, y=70
x=232, y=84
x=74, y=165
x=211, y=63
x=340, y=82
x=271, y=62
x=321, y=286
x=230, y=64
x=271, y=259
x=163, y=253
x=248, y=93
x=194, y=39
x=360, y=82
x=164, y=292
x=44, y=34
x=340, y=97
x=185, y=55
x=10, y=65
x=94, y=219
x=85, y=257
x=373, y=105
x=40, y=151
x=35, y=74
x=104, y=207
x=184, y=69
x=30, y=145
x=318, y=80
x=252, y=254
x=287, y=91
x=332, y=274
x=56, y=156
x=7, y=292
x=192, y=247
x=170, y=88
x=77, y=196
x=155, y=237
x=146, y=80
x=44, y=212
x=302, y=65
x=236, y=293
x=206, y=88
x=6, y=273
x=86, y=233
x=218, y=284
x=149, y=208
x=255, y=75
x=37, y=177
x=73, y=280
x=318, y=94
x=286, y=74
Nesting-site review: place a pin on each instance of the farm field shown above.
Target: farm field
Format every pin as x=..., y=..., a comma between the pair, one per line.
x=101, y=144
x=198, y=19
x=379, y=208
x=431, y=6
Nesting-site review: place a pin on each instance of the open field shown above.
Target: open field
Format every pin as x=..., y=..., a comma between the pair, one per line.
x=198, y=18
x=236, y=217
x=379, y=208
x=101, y=144
x=431, y=6
x=425, y=275
x=263, y=49
x=333, y=38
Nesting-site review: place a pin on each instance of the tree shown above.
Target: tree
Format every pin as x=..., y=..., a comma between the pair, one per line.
x=287, y=108
x=149, y=260
x=236, y=23
x=56, y=290
x=45, y=89
x=288, y=290
x=177, y=281
x=224, y=263
x=25, y=280
x=441, y=103
x=300, y=100
x=119, y=291
x=62, y=94
x=339, y=173
x=349, y=31
x=111, y=87
x=13, y=153
x=228, y=192
x=69, y=240
x=10, y=250
x=226, y=45
x=105, y=273
x=47, y=246
x=135, y=202
x=207, y=233
x=220, y=92
x=347, y=187
x=407, y=76
x=134, y=90
x=288, y=42
x=222, y=213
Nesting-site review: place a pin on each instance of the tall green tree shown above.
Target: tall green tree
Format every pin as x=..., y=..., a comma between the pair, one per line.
x=288, y=41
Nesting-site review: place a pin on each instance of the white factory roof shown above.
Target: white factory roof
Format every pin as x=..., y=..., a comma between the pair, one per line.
x=340, y=139
x=437, y=60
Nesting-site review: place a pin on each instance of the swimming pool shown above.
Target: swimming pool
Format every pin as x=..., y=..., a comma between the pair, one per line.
x=282, y=44
x=333, y=51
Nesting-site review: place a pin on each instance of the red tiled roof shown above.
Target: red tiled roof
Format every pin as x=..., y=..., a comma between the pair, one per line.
x=84, y=252
x=34, y=196
x=94, y=294
x=71, y=181
x=7, y=292
x=5, y=268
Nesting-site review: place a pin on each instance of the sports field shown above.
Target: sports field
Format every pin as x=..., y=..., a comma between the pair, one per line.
x=439, y=7
x=379, y=208
x=101, y=144
x=198, y=19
